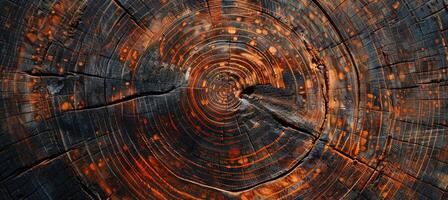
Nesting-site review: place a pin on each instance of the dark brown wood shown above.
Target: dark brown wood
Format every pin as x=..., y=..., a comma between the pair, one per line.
x=256, y=99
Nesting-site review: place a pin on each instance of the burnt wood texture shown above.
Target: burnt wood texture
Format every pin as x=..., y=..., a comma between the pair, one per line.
x=223, y=99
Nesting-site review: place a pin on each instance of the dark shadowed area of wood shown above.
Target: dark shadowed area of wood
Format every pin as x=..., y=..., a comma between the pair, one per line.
x=223, y=99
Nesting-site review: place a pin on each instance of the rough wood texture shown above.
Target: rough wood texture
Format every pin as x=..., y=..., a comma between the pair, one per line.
x=242, y=99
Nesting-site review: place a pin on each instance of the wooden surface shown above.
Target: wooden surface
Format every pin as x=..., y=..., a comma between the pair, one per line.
x=247, y=99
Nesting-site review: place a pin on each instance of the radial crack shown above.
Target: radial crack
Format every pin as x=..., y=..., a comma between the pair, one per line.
x=127, y=99
x=281, y=119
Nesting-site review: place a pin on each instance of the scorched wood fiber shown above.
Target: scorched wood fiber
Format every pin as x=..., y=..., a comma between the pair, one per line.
x=223, y=99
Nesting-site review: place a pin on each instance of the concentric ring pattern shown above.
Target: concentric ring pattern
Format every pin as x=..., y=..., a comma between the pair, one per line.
x=217, y=99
